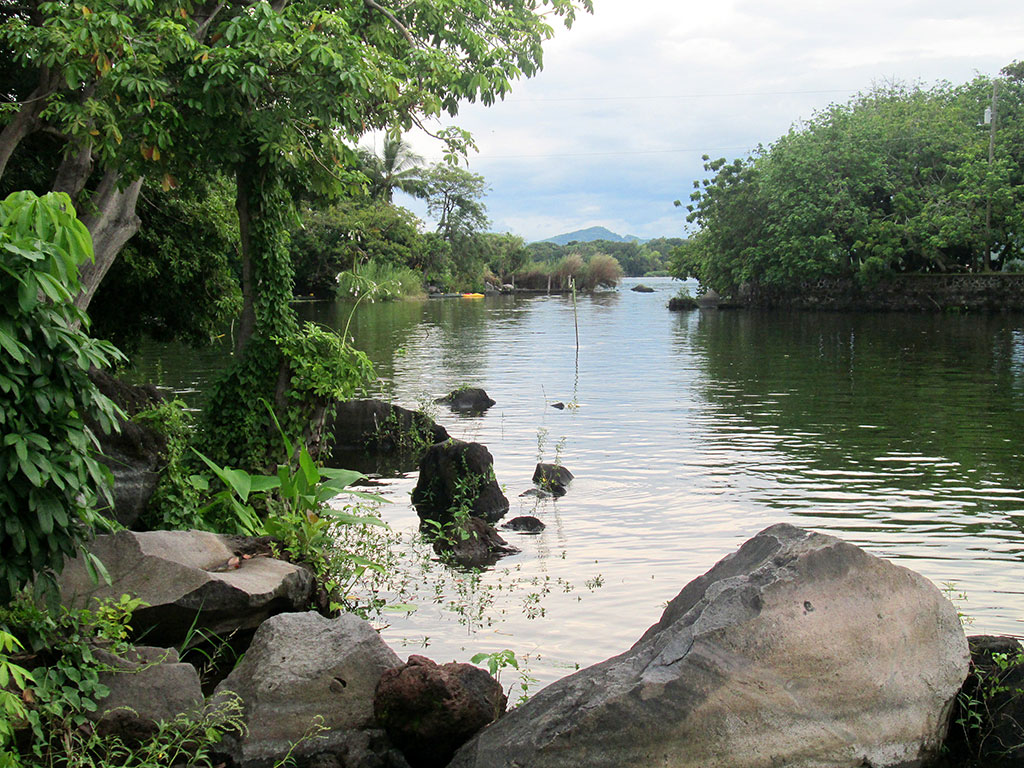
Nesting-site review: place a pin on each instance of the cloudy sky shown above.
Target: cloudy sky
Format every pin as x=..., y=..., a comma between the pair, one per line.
x=611, y=132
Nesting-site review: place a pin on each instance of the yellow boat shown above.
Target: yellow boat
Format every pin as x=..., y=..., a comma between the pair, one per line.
x=472, y=295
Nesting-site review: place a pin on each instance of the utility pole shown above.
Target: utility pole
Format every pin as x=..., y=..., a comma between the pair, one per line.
x=991, y=119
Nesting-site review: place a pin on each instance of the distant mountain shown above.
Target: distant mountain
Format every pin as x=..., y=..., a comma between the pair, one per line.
x=589, y=234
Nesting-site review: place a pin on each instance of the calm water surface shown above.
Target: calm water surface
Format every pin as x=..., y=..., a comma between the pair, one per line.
x=690, y=432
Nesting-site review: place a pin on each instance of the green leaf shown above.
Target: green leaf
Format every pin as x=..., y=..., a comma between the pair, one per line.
x=347, y=518
x=237, y=479
x=12, y=346
x=309, y=469
x=263, y=483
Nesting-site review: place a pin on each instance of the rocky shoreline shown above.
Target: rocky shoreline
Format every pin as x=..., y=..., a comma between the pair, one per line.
x=948, y=292
x=798, y=649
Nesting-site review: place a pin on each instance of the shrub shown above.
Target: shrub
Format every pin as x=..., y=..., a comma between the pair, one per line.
x=603, y=271
x=568, y=266
x=50, y=482
x=381, y=282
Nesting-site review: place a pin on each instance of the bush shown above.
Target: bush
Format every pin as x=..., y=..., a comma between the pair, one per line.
x=175, y=502
x=603, y=271
x=50, y=482
x=381, y=282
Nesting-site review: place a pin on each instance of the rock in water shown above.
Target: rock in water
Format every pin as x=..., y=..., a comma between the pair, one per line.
x=471, y=543
x=798, y=650
x=525, y=524
x=552, y=477
x=467, y=400
x=301, y=669
x=455, y=475
x=430, y=710
x=360, y=429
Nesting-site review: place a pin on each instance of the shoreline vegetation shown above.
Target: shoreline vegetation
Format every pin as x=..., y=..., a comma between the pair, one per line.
x=900, y=185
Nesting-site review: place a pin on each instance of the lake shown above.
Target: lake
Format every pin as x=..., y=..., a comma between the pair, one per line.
x=687, y=434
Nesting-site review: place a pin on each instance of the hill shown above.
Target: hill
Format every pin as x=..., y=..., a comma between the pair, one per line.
x=590, y=234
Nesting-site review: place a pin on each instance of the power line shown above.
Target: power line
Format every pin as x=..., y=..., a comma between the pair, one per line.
x=664, y=97
x=611, y=154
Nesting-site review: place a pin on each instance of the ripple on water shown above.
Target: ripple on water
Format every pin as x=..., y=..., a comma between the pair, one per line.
x=693, y=432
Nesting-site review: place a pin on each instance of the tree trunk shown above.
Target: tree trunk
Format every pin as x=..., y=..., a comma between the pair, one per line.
x=243, y=191
x=112, y=223
x=74, y=171
x=26, y=120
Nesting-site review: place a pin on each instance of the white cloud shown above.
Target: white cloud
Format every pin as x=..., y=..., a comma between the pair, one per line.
x=583, y=143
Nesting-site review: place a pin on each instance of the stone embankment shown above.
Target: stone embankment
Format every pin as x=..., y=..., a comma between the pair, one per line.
x=914, y=293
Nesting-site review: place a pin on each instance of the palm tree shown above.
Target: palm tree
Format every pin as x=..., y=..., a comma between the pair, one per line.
x=397, y=167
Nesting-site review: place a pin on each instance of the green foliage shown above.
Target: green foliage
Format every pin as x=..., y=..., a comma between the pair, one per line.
x=351, y=236
x=597, y=270
x=397, y=167
x=455, y=199
x=497, y=661
x=323, y=363
x=991, y=689
x=51, y=703
x=174, y=504
x=381, y=282
x=898, y=180
x=176, y=278
x=297, y=511
x=301, y=373
x=635, y=259
x=50, y=483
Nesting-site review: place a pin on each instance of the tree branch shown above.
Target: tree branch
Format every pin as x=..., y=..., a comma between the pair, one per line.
x=393, y=19
x=204, y=27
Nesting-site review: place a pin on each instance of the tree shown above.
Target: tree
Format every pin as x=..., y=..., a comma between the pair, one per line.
x=455, y=199
x=898, y=180
x=348, y=235
x=176, y=279
x=274, y=92
x=397, y=167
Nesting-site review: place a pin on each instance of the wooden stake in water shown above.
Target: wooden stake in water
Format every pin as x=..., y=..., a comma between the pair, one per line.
x=575, y=317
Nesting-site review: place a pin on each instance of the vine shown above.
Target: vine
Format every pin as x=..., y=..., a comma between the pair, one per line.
x=51, y=485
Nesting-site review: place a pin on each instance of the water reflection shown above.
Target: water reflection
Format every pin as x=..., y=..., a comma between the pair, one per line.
x=897, y=431
x=692, y=431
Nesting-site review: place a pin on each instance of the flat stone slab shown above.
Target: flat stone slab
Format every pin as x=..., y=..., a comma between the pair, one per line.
x=188, y=578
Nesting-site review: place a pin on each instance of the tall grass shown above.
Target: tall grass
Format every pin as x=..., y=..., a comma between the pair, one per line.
x=383, y=281
x=600, y=271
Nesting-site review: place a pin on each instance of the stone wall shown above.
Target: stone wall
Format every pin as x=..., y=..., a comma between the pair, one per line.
x=915, y=293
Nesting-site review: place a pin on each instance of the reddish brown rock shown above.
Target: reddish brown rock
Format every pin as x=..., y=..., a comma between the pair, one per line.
x=430, y=710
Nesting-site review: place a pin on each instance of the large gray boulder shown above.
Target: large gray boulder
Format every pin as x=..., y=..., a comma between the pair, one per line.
x=798, y=650
x=301, y=669
x=186, y=579
x=146, y=686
